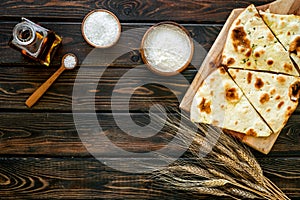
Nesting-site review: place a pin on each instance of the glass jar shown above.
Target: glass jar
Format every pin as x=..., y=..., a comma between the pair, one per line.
x=35, y=41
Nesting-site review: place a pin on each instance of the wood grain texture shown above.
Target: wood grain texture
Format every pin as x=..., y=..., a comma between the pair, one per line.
x=77, y=178
x=18, y=83
x=197, y=11
x=42, y=156
x=73, y=41
x=54, y=134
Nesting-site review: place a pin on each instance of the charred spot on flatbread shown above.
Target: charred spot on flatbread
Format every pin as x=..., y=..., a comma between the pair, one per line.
x=231, y=94
x=239, y=38
x=288, y=67
x=204, y=106
x=222, y=70
x=270, y=62
x=270, y=36
x=249, y=77
x=259, y=53
x=230, y=61
x=251, y=132
x=281, y=79
x=264, y=98
x=248, y=53
x=295, y=46
x=280, y=104
x=259, y=83
x=278, y=97
x=273, y=91
x=294, y=91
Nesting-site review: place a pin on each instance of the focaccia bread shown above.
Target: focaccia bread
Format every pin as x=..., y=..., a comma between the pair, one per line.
x=274, y=96
x=287, y=29
x=250, y=44
x=219, y=101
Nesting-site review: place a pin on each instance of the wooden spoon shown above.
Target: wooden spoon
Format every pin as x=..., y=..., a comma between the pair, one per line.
x=67, y=63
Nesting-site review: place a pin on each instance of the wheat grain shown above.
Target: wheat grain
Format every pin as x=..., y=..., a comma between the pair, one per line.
x=257, y=177
x=229, y=163
x=196, y=171
x=225, y=151
x=181, y=168
x=255, y=186
x=250, y=160
x=199, y=142
x=221, y=175
x=215, y=182
x=242, y=193
x=209, y=191
x=240, y=169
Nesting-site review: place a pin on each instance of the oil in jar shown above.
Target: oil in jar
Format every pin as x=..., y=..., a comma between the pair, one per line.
x=35, y=41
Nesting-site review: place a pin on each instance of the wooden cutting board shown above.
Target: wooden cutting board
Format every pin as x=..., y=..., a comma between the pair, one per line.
x=213, y=60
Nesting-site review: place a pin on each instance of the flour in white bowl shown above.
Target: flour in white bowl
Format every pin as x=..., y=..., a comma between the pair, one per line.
x=101, y=29
x=167, y=48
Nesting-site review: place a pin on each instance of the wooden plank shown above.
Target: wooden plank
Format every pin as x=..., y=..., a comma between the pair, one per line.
x=51, y=178
x=73, y=41
x=18, y=83
x=54, y=134
x=87, y=178
x=198, y=11
x=274, y=169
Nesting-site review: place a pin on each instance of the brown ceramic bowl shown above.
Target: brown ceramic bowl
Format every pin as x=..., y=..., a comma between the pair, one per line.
x=88, y=21
x=176, y=36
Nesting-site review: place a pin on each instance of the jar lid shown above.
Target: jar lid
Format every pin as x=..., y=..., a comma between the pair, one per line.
x=24, y=33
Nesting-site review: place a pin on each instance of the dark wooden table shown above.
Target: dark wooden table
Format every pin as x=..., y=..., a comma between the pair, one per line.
x=41, y=154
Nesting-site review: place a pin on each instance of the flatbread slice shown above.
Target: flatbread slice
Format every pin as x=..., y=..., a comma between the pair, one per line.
x=274, y=96
x=250, y=44
x=220, y=102
x=287, y=29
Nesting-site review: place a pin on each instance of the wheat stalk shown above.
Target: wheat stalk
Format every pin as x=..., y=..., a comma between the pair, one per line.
x=229, y=169
x=194, y=170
